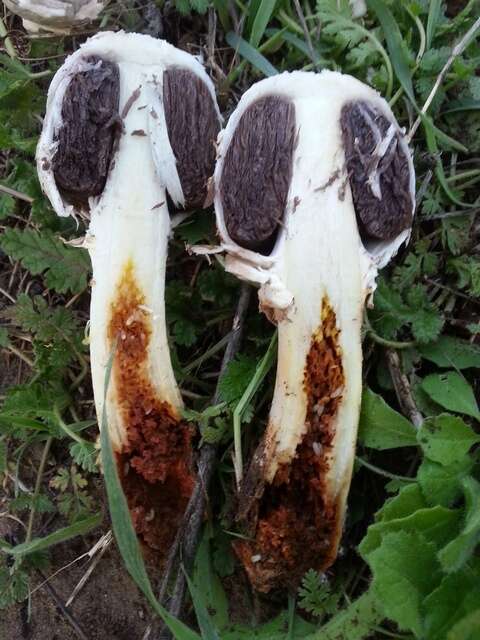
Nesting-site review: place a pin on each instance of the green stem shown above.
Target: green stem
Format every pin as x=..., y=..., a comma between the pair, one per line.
x=262, y=370
x=38, y=486
x=393, y=344
x=9, y=48
x=64, y=427
x=382, y=472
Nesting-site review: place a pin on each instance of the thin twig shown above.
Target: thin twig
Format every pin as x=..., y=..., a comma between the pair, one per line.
x=457, y=50
x=186, y=541
x=15, y=194
x=403, y=389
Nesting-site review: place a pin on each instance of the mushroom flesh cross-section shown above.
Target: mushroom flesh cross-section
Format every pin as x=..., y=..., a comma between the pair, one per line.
x=130, y=119
x=314, y=192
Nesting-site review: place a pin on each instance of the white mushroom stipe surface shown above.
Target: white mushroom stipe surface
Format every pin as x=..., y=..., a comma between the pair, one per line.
x=129, y=120
x=323, y=154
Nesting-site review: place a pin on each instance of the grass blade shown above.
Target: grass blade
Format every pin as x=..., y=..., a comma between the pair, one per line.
x=40, y=544
x=395, y=45
x=252, y=55
x=123, y=528
x=264, y=13
x=432, y=21
x=205, y=622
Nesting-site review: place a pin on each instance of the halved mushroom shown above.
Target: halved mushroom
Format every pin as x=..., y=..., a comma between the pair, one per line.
x=56, y=16
x=130, y=118
x=314, y=192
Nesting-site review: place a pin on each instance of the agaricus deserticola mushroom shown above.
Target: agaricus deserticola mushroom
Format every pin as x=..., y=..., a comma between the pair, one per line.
x=314, y=192
x=130, y=118
x=56, y=16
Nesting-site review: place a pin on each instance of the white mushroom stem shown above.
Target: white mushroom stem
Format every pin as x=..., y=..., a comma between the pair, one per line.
x=127, y=241
x=317, y=278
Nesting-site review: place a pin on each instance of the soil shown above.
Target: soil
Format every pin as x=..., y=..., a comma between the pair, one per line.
x=109, y=607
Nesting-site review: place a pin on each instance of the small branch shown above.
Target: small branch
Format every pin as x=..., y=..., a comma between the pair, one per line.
x=15, y=194
x=403, y=389
x=186, y=540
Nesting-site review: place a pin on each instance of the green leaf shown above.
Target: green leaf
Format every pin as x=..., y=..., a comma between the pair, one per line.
x=262, y=18
x=405, y=570
x=449, y=351
x=205, y=622
x=65, y=268
x=446, y=439
x=207, y=586
x=80, y=527
x=455, y=598
x=434, y=14
x=381, y=427
x=236, y=378
x=395, y=45
x=468, y=628
x=4, y=339
x=276, y=629
x=123, y=527
x=457, y=552
x=7, y=206
x=251, y=54
x=3, y=456
x=437, y=524
x=442, y=484
x=453, y=392
x=355, y=622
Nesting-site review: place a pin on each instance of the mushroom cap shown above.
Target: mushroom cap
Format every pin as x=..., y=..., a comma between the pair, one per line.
x=58, y=16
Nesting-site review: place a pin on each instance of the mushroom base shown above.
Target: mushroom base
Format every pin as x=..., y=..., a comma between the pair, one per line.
x=155, y=462
x=299, y=525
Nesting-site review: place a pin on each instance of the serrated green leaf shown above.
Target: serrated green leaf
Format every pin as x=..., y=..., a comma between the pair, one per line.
x=457, y=552
x=437, y=524
x=354, y=622
x=7, y=206
x=405, y=570
x=452, y=391
x=236, y=378
x=446, y=439
x=381, y=427
x=64, y=268
x=450, y=351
